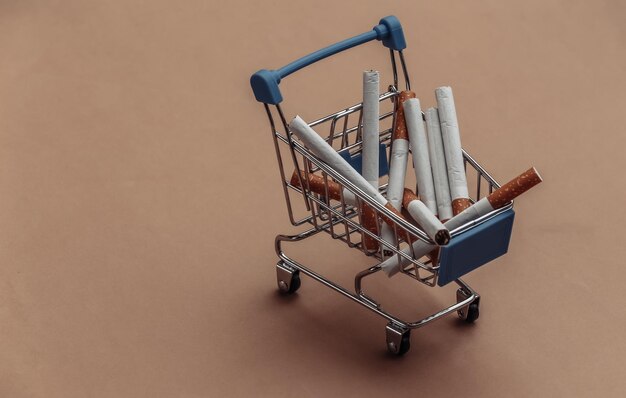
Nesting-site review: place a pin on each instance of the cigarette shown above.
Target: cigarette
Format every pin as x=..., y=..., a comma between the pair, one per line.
x=421, y=157
x=497, y=199
x=420, y=213
x=316, y=184
x=326, y=153
x=371, y=138
x=452, y=148
x=398, y=160
x=370, y=153
x=438, y=164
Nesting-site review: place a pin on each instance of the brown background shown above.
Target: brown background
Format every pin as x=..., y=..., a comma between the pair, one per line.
x=140, y=197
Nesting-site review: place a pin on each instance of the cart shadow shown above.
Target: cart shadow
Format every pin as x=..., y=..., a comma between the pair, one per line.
x=283, y=299
x=357, y=338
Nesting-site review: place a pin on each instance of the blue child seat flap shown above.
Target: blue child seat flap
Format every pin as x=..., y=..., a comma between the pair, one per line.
x=475, y=247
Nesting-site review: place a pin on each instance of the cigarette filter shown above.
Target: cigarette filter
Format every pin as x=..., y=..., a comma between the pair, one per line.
x=452, y=148
x=497, y=199
x=438, y=165
x=421, y=158
x=316, y=184
x=514, y=188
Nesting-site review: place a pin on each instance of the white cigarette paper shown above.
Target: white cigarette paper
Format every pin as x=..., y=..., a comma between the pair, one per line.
x=371, y=139
x=348, y=197
x=438, y=164
x=397, y=174
x=392, y=265
x=419, y=149
x=452, y=143
x=321, y=149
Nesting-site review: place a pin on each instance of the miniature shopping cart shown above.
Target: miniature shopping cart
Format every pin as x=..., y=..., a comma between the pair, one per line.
x=471, y=246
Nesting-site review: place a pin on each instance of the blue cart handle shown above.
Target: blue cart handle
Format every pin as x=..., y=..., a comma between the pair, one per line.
x=265, y=82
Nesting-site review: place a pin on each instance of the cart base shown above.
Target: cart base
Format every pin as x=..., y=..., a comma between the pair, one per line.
x=398, y=331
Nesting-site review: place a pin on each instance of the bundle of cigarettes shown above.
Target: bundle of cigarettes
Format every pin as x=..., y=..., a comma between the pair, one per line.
x=441, y=200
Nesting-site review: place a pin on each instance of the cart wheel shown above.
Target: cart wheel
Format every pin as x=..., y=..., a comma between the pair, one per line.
x=287, y=278
x=472, y=313
x=405, y=345
x=398, y=340
x=295, y=285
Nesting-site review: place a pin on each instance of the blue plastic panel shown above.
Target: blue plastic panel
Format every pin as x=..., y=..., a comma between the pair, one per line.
x=475, y=247
x=356, y=161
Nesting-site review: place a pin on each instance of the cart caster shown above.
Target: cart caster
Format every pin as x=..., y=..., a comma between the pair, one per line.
x=470, y=313
x=398, y=339
x=288, y=279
